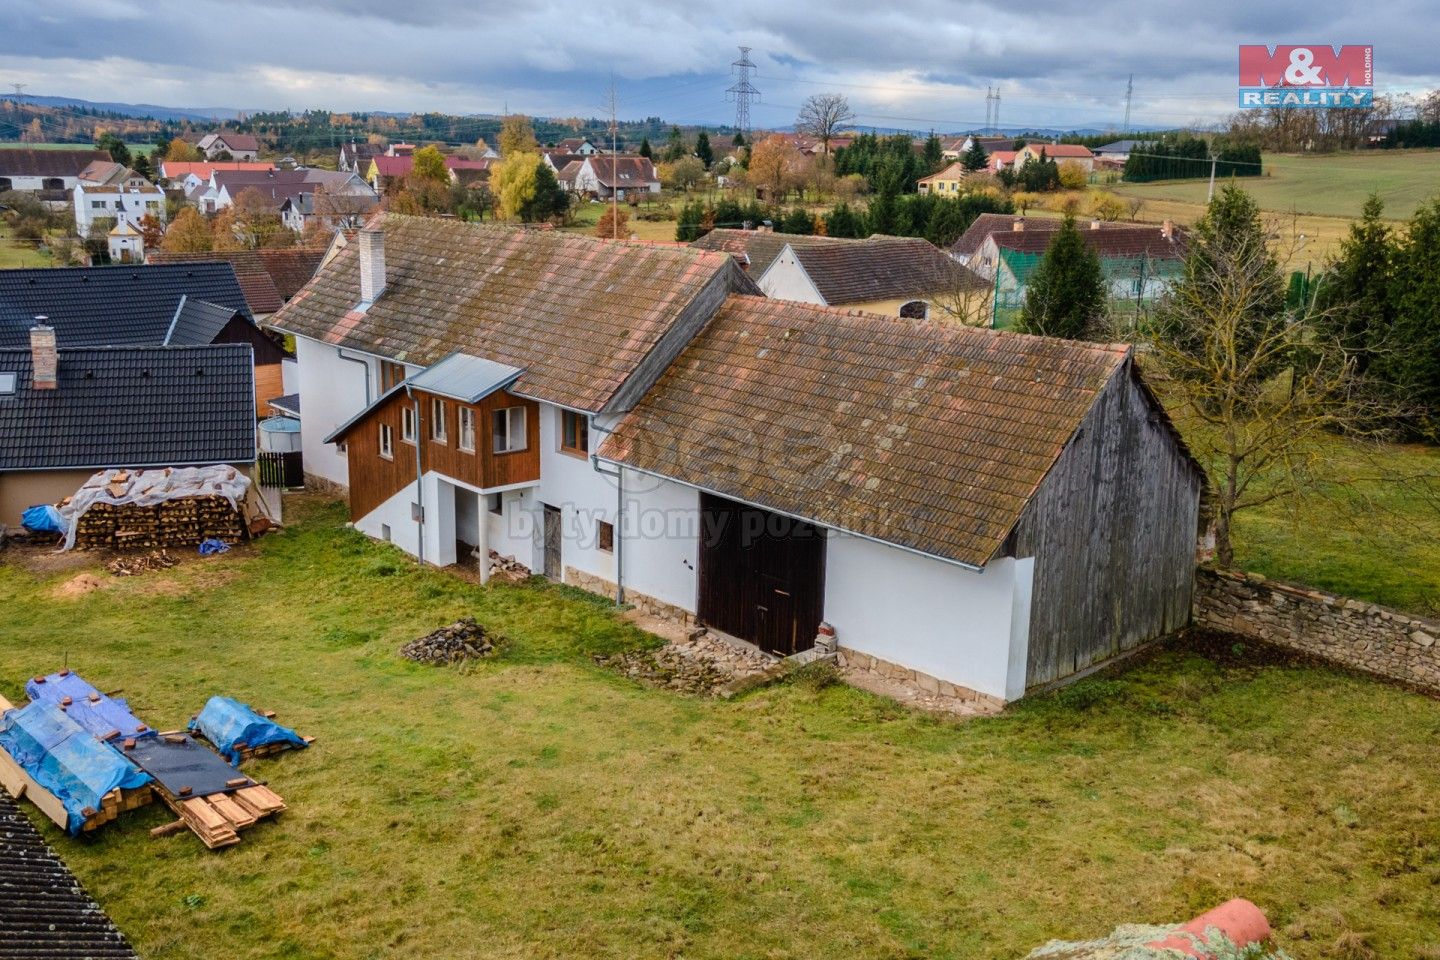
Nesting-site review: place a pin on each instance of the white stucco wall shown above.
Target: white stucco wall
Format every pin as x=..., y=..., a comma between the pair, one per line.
x=786, y=280
x=661, y=531
x=929, y=615
x=394, y=513
x=583, y=495
x=332, y=391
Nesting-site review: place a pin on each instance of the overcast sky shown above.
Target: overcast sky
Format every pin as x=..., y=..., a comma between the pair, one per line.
x=919, y=64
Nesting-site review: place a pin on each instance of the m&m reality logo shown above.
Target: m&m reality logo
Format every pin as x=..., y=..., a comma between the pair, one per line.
x=1311, y=76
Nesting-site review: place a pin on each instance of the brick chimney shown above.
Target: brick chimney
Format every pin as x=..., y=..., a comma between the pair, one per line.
x=44, y=363
x=1018, y=225
x=372, y=264
x=1167, y=229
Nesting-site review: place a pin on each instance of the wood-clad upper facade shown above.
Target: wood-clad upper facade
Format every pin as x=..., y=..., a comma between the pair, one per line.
x=458, y=440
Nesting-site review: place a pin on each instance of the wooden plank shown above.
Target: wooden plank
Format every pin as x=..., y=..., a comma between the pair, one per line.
x=260, y=798
x=231, y=810
x=165, y=829
x=25, y=785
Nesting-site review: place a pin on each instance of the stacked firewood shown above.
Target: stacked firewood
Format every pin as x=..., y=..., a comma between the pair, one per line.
x=174, y=523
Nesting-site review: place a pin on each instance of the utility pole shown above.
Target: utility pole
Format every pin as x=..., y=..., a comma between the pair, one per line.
x=742, y=91
x=614, y=162
x=19, y=89
x=989, y=104
x=1211, y=195
x=997, y=109
x=1129, y=90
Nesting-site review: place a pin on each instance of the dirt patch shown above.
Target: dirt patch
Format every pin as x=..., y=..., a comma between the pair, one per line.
x=79, y=585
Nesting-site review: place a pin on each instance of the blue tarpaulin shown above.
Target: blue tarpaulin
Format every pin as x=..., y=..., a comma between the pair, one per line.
x=64, y=758
x=229, y=725
x=44, y=519
x=101, y=715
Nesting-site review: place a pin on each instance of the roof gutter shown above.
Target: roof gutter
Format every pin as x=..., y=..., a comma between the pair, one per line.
x=973, y=568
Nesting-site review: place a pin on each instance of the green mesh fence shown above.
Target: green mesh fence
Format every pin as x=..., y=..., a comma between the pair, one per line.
x=1135, y=282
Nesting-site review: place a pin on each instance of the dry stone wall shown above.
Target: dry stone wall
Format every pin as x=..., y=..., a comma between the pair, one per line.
x=1364, y=636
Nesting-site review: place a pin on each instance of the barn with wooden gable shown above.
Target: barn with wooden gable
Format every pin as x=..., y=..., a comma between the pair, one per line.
x=984, y=509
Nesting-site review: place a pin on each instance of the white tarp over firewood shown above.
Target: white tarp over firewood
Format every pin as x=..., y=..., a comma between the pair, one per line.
x=148, y=488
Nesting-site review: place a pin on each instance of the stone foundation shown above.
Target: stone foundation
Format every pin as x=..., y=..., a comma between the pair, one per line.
x=943, y=693
x=314, y=483
x=1351, y=633
x=647, y=605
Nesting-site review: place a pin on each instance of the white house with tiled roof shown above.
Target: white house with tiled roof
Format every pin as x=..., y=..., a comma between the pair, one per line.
x=119, y=203
x=977, y=513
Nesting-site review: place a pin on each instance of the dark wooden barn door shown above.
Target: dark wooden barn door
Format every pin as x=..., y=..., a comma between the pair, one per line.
x=762, y=576
x=553, y=536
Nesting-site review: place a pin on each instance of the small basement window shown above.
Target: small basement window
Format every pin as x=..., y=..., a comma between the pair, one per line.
x=915, y=310
x=509, y=429
x=605, y=537
x=497, y=504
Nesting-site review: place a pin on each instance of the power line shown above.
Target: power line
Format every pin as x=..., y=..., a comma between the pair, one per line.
x=743, y=92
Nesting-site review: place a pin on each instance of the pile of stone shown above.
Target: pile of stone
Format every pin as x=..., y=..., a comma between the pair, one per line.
x=460, y=641
x=699, y=664
x=507, y=568
x=144, y=563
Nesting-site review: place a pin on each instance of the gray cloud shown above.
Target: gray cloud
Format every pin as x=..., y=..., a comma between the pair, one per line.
x=922, y=64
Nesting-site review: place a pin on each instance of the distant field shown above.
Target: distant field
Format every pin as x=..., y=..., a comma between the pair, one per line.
x=20, y=253
x=17, y=145
x=1330, y=185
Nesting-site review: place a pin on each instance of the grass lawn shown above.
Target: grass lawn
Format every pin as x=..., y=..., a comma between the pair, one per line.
x=1330, y=185
x=539, y=806
x=588, y=214
x=1358, y=534
x=20, y=253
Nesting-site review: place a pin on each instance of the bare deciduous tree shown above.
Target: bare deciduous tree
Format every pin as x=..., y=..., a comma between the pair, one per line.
x=822, y=116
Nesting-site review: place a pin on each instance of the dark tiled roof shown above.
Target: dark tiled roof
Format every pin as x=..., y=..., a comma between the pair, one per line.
x=291, y=268
x=198, y=322
x=987, y=223
x=1109, y=241
x=109, y=306
x=288, y=403
x=21, y=162
x=258, y=287
x=579, y=314
x=131, y=407
x=882, y=268
x=932, y=437
x=44, y=912
x=237, y=141
x=756, y=249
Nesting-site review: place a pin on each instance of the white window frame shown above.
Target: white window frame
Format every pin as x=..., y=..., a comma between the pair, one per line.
x=438, y=432
x=466, y=438
x=407, y=423
x=506, y=424
x=387, y=441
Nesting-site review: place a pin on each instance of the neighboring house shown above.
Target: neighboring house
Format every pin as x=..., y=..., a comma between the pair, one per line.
x=557, y=159
x=187, y=175
x=993, y=511
x=125, y=243
x=400, y=150
x=349, y=196
x=579, y=146
x=240, y=146
x=355, y=157
x=150, y=306
x=604, y=177
x=567, y=175
x=1059, y=152
x=383, y=171
x=1140, y=261
x=108, y=173
x=69, y=411
x=51, y=175
x=267, y=277
x=897, y=276
x=998, y=160
x=120, y=204
x=334, y=211
x=996, y=512
x=956, y=148
x=1120, y=150
x=757, y=249
x=984, y=225
x=946, y=183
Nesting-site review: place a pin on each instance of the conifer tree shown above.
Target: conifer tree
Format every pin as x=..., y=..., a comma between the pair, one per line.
x=1066, y=293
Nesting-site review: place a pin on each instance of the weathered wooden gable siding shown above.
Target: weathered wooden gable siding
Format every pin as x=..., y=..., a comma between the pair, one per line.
x=1112, y=529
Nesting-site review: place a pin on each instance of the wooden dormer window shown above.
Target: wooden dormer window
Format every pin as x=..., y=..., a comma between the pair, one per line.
x=390, y=375
x=574, y=432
